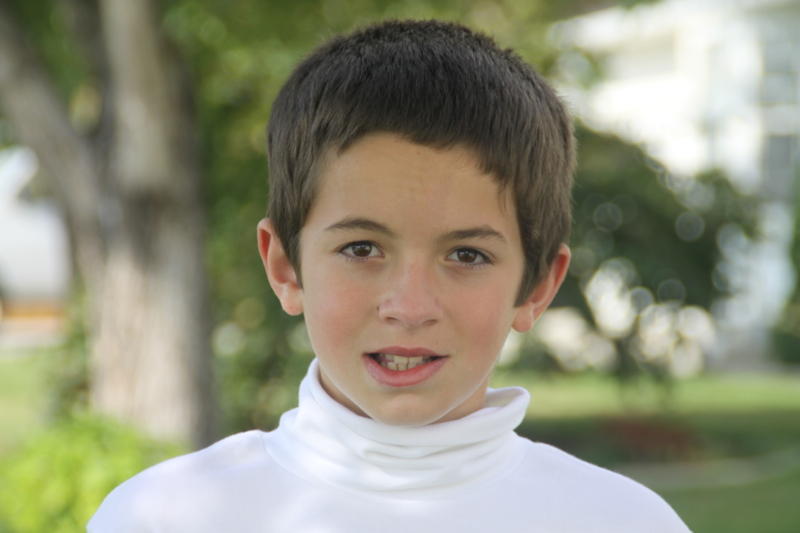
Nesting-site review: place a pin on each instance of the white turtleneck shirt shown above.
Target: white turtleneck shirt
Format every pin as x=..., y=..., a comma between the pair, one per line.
x=327, y=470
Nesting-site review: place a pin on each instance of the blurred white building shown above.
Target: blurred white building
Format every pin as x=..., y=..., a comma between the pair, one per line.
x=34, y=259
x=701, y=85
x=34, y=250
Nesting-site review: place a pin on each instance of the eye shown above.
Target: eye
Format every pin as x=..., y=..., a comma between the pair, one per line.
x=470, y=257
x=360, y=250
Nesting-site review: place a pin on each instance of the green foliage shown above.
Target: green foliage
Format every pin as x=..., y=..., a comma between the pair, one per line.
x=786, y=336
x=649, y=201
x=56, y=482
x=786, y=346
x=68, y=378
x=47, y=23
x=6, y=134
x=628, y=206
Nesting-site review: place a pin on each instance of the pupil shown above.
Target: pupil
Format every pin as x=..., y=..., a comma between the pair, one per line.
x=467, y=256
x=362, y=250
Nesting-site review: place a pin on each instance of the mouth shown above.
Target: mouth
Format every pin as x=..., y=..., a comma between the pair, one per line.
x=402, y=363
x=400, y=366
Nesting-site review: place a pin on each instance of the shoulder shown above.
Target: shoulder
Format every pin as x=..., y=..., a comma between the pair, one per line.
x=596, y=498
x=160, y=492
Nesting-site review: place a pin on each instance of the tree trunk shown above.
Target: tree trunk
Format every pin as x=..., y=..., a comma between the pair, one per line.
x=135, y=207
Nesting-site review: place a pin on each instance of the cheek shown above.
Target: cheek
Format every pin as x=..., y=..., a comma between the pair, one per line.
x=334, y=312
x=486, y=319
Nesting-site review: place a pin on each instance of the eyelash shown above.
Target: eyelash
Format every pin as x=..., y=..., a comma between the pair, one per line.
x=353, y=257
x=484, y=258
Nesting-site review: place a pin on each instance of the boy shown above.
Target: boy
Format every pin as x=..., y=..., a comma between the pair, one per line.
x=420, y=189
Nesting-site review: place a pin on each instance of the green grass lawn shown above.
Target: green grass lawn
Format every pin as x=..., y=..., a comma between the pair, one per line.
x=733, y=422
x=562, y=396
x=766, y=504
x=23, y=395
x=766, y=507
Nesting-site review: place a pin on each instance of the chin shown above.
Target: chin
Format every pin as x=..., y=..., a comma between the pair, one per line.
x=405, y=417
x=407, y=422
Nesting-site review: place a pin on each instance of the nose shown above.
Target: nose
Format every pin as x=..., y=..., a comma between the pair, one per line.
x=411, y=299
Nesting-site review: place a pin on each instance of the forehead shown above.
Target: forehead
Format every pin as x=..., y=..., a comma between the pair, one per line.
x=384, y=170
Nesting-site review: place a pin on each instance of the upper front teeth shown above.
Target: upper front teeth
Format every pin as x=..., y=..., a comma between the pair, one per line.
x=400, y=362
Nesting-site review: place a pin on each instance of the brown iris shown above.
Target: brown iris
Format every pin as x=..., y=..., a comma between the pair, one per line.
x=361, y=249
x=467, y=256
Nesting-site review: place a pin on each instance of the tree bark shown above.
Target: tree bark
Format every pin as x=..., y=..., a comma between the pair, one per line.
x=135, y=207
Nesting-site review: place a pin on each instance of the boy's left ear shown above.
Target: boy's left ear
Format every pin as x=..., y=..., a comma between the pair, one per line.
x=543, y=293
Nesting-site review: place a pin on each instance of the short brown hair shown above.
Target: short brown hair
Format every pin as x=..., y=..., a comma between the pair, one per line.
x=436, y=84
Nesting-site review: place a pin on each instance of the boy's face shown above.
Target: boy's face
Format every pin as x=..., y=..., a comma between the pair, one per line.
x=408, y=251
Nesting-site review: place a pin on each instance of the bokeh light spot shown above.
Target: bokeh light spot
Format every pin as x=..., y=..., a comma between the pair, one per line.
x=690, y=226
x=608, y=216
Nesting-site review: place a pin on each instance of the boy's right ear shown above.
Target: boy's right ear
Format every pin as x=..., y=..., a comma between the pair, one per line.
x=281, y=273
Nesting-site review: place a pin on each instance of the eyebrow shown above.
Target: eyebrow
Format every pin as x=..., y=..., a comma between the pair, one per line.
x=356, y=223
x=480, y=232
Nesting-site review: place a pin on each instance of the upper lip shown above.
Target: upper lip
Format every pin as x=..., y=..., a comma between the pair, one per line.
x=407, y=352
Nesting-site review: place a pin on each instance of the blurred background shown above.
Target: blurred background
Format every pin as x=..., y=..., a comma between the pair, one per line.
x=136, y=321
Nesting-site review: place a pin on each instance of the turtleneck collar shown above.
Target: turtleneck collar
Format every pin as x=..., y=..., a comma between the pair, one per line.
x=323, y=441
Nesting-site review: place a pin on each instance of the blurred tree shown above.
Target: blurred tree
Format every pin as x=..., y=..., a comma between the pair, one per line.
x=786, y=336
x=123, y=158
x=658, y=236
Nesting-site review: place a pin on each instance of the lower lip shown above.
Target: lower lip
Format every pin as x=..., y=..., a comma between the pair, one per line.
x=402, y=378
